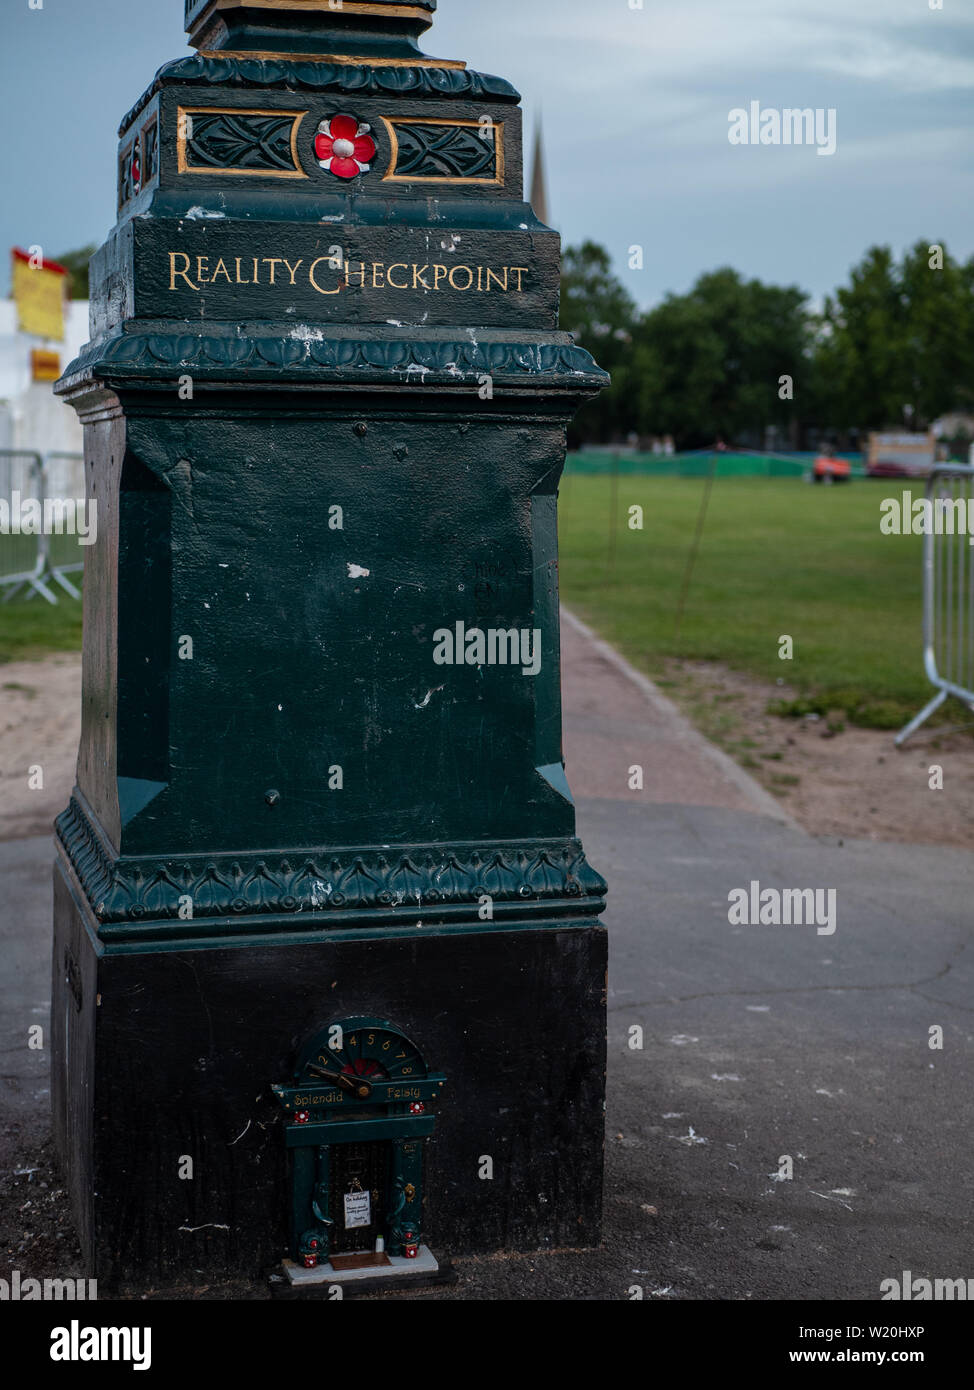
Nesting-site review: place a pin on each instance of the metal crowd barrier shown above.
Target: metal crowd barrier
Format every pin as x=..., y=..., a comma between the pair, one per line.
x=948, y=592
x=33, y=562
x=21, y=557
x=62, y=553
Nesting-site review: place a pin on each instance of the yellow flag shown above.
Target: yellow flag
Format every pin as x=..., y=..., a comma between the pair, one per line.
x=44, y=365
x=38, y=287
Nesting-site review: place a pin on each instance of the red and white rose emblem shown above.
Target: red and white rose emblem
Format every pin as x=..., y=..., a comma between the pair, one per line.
x=344, y=146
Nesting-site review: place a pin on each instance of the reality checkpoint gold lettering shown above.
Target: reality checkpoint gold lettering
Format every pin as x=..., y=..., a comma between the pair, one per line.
x=359, y=275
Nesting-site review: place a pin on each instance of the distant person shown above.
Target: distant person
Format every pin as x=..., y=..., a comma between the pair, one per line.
x=829, y=469
x=669, y=448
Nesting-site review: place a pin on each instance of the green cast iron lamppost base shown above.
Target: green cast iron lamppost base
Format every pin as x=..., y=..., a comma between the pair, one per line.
x=320, y=783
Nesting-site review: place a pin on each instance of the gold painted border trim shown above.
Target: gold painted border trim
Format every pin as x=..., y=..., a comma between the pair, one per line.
x=184, y=167
x=349, y=6
x=417, y=62
x=363, y=7
x=390, y=176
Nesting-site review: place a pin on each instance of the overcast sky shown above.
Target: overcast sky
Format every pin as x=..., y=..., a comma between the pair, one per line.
x=635, y=105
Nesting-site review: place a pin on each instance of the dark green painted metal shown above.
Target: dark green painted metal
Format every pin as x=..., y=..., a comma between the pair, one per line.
x=138, y=900
x=377, y=27
x=301, y=1097
x=348, y=1131
x=322, y=1126
x=146, y=358
x=337, y=1040
x=307, y=392
x=310, y=1190
x=406, y=1195
x=224, y=73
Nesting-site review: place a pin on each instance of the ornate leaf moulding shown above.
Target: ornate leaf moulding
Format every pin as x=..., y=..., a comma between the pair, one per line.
x=138, y=354
x=333, y=887
x=317, y=75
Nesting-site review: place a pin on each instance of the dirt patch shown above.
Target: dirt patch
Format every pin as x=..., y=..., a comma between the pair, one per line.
x=36, y=1235
x=40, y=725
x=834, y=778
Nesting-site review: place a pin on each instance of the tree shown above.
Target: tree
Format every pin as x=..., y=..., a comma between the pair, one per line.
x=719, y=354
x=594, y=305
x=939, y=339
x=897, y=344
x=76, y=262
x=598, y=311
x=863, y=351
x=894, y=346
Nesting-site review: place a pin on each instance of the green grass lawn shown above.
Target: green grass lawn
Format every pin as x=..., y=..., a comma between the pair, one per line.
x=776, y=556
x=29, y=630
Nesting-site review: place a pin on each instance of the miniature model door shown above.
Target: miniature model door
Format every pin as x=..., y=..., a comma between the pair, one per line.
x=359, y=1195
x=358, y=1110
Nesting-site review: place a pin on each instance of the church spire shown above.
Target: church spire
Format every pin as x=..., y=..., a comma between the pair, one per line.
x=539, y=183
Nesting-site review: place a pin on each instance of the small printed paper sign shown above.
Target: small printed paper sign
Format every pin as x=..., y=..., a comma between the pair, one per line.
x=358, y=1209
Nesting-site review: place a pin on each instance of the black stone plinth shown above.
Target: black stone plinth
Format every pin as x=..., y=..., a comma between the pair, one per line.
x=170, y=1054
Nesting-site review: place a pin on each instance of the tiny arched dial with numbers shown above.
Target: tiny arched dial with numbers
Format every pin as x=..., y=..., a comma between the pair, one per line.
x=369, y=1052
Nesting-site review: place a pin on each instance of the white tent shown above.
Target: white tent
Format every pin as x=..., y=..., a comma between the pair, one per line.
x=31, y=416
